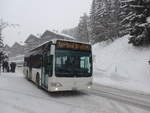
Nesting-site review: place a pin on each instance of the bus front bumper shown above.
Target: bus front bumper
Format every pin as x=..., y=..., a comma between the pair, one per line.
x=54, y=87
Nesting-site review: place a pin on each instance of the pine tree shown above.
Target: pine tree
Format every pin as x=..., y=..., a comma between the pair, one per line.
x=118, y=16
x=95, y=21
x=105, y=20
x=72, y=32
x=124, y=15
x=138, y=21
x=1, y=47
x=3, y=25
x=83, y=29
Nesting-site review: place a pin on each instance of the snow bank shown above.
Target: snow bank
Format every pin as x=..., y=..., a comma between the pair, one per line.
x=148, y=19
x=122, y=65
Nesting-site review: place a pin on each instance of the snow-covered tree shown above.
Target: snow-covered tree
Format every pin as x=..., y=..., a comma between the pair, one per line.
x=72, y=32
x=125, y=11
x=138, y=19
x=83, y=29
x=95, y=21
x=2, y=26
x=119, y=15
x=105, y=20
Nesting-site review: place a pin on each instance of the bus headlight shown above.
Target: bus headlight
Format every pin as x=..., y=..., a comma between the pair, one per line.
x=89, y=84
x=56, y=84
x=89, y=87
x=56, y=89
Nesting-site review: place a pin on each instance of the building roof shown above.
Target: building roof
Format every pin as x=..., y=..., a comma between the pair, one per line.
x=52, y=35
x=16, y=49
x=16, y=45
x=31, y=38
x=47, y=33
x=6, y=47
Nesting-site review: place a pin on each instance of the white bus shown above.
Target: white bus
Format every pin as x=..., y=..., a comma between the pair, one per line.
x=60, y=65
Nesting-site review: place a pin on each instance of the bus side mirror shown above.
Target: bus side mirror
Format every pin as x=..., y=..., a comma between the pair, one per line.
x=52, y=50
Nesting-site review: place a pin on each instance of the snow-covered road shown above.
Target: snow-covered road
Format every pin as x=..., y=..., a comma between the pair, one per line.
x=17, y=95
x=135, y=98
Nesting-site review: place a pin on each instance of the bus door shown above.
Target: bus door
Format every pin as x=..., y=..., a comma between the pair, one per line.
x=47, y=68
x=30, y=69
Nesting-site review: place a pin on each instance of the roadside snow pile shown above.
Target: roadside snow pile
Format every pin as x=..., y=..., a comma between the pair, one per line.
x=122, y=65
x=148, y=19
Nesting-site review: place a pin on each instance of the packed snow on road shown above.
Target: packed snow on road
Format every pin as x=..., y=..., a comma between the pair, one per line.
x=18, y=95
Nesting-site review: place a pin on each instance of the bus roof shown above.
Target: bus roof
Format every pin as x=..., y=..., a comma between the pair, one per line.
x=53, y=41
x=36, y=50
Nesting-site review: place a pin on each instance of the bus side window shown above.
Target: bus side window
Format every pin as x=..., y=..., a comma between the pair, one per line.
x=36, y=61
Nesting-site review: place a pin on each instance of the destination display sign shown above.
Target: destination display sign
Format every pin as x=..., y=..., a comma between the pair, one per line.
x=72, y=46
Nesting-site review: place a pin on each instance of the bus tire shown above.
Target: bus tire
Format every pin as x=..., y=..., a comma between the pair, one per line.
x=38, y=80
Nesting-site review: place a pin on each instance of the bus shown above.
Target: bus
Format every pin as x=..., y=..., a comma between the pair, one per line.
x=60, y=65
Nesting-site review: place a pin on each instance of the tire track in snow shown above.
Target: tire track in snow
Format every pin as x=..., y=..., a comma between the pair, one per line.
x=127, y=97
x=19, y=108
x=72, y=106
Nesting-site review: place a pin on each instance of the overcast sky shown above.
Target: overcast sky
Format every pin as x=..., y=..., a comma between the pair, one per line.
x=35, y=16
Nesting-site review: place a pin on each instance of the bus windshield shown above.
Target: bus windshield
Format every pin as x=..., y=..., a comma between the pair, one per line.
x=71, y=63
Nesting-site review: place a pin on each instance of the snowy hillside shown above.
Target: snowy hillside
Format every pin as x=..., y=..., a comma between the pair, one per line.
x=122, y=65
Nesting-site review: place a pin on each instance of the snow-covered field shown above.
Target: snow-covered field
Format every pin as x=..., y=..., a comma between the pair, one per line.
x=17, y=95
x=121, y=65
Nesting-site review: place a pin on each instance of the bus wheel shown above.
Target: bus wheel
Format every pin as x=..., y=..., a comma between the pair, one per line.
x=38, y=80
